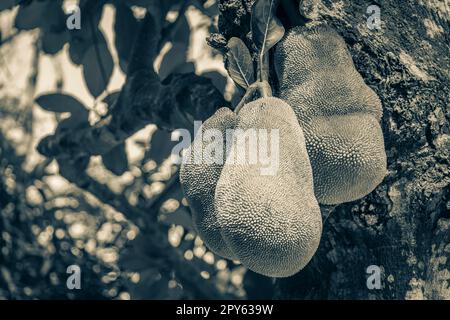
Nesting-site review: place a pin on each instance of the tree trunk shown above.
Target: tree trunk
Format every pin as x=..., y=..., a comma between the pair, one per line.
x=402, y=227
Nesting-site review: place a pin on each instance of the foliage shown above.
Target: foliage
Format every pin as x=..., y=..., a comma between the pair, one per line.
x=124, y=221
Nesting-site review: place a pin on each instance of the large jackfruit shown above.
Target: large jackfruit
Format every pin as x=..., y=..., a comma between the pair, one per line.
x=271, y=221
x=338, y=112
x=199, y=177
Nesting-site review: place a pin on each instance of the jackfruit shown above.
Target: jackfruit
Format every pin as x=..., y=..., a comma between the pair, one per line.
x=270, y=221
x=340, y=115
x=199, y=176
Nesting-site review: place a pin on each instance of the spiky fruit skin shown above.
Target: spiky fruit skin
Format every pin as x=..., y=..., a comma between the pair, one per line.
x=199, y=180
x=271, y=222
x=338, y=112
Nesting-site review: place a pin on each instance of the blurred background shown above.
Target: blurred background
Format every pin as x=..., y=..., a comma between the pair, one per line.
x=48, y=223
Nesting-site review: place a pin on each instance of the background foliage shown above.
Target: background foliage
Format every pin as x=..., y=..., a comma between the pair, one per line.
x=111, y=205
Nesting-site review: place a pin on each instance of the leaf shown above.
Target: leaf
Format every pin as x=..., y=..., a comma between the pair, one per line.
x=116, y=160
x=189, y=97
x=98, y=67
x=180, y=217
x=53, y=42
x=219, y=80
x=211, y=11
x=71, y=123
x=7, y=4
x=30, y=15
x=267, y=29
x=182, y=31
x=54, y=34
x=126, y=28
x=186, y=67
x=160, y=146
x=81, y=40
x=72, y=169
x=59, y=102
x=173, y=59
x=240, y=63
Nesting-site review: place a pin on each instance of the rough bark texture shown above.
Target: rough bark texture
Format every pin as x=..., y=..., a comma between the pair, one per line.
x=404, y=225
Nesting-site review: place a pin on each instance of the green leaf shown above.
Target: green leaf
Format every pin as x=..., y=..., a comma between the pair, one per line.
x=71, y=123
x=267, y=29
x=46, y=15
x=240, y=63
x=126, y=28
x=30, y=15
x=59, y=102
x=53, y=42
x=219, y=80
x=174, y=59
x=98, y=67
x=181, y=217
x=211, y=11
x=160, y=146
x=188, y=67
x=7, y=4
x=72, y=168
x=77, y=49
x=182, y=32
x=81, y=40
x=116, y=160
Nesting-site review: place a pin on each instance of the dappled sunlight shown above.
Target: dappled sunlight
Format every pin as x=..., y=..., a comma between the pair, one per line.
x=48, y=222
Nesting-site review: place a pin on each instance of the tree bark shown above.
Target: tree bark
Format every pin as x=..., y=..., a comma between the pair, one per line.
x=403, y=226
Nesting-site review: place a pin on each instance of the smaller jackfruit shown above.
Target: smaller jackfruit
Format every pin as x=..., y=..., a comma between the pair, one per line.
x=199, y=176
x=339, y=114
x=270, y=221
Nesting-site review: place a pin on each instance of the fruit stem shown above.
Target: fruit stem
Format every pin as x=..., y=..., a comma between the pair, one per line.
x=263, y=88
x=263, y=67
